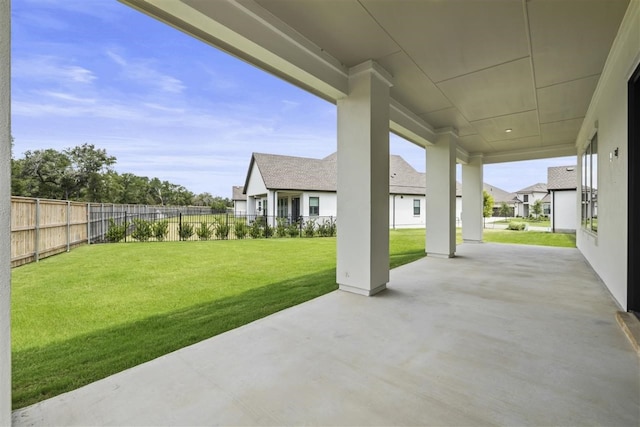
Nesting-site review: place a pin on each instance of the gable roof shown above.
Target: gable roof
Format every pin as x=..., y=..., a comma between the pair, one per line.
x=562, y=178
x=540, y=187
x=499, y=195
x=237, y=193
x=306, y=174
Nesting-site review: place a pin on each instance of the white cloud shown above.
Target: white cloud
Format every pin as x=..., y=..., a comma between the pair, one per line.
x=142, y=72
x=50, y=69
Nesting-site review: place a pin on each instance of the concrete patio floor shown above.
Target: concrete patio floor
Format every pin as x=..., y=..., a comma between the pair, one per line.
x=500, y=335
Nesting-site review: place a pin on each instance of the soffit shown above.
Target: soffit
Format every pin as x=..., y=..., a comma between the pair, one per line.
x=479, y=66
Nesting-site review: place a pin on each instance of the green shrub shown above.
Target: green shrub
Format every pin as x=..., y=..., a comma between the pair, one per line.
x=185, y=231
x=327, y=228
x=116, y=232
x=281, y=227
x=204, y=232
x=160, y=229
x=222, y=230
x=293, y=230
x=309, y=228
x=255, y=231
x=142, y=231
x=516, y=226
x=240, y=228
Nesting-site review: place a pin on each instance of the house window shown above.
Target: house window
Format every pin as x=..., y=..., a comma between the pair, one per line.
x=259, y=205
x=314, y=206
x=526, y=198
x=283, y=208
x=416, y=207
x=589, y=211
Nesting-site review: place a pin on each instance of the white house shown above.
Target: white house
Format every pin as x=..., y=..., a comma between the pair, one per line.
x=526, y=198
x=294, y=187
x=562, y=183
x=239, y=200
x=499, y=196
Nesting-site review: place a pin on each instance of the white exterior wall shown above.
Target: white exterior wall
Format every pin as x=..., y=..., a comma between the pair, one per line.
x=563, y=210
x=5, y=214
x=404, y=217
x=255, y=184
x=240, y=207
x=607, y=251
x=328, y=203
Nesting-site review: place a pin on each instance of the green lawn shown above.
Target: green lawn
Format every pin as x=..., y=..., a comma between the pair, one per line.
x=534, y=223
x=100, y=309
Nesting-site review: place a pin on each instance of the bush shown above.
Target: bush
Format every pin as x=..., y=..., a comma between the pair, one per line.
x=268, y=230
x=204, y=232
x=293, y=230
x=222, y=230
x=516, y=226
x=240, y=229
x=160, y=230
x=255, y=231
x=309, y=228
x=281, y=227
x=185, y=231
x=327, y=228
x=142, y=231
x=116, y=232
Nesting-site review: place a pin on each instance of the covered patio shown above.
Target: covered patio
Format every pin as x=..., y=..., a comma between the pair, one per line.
x=499, y=335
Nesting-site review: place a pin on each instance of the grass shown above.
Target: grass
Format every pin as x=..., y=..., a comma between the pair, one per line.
x=100, y=309
x=533, y=223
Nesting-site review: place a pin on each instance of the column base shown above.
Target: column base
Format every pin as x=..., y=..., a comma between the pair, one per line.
x=360, y=291
x=471, y=241
x=437, y=255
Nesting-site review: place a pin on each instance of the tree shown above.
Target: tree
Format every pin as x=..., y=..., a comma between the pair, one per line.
x=537, y=208
x=487, y=204
x=504, y=210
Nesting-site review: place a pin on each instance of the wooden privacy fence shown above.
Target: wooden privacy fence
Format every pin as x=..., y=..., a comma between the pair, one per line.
x=41, y=228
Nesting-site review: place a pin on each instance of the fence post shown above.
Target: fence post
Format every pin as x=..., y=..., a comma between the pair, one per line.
x=68, y=225
x=179, y=225
x=125, y=226
x=37, y=232
x=88, y=223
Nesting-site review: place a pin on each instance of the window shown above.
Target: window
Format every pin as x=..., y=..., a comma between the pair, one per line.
x=525, y=198
x=314, y=206
x=283, y=208
x=589, y=184
x=416, y=207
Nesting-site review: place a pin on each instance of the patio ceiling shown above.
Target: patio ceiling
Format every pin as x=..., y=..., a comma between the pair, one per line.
x=478, y=66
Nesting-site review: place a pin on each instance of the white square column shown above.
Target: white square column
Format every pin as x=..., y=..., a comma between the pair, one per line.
x=5, y=213
x=441, y=196
x=472, y=200
x=363, y=182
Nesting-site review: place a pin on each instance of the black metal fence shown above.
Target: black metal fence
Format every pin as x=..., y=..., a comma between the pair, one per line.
x=135, y=223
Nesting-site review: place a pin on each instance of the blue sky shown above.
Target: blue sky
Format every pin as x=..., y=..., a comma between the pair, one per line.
x=166, y=105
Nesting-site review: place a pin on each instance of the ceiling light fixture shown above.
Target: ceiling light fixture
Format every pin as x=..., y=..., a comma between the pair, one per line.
x=508, y=130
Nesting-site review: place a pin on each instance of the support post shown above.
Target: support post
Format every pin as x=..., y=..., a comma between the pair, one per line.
x=5, y=213
x=472, y=201
x=363, y=182
x=441, y=196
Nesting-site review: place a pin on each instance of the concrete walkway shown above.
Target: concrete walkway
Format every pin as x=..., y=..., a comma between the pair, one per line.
x=501, y=335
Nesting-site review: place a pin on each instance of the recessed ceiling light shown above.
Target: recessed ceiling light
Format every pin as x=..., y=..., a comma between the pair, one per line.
x=508, y=130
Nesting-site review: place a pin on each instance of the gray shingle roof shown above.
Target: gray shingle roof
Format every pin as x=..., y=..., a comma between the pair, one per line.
x=499, y=195
x=237, y=193
x=562, y=178
x=302, y=173
x=540, y=187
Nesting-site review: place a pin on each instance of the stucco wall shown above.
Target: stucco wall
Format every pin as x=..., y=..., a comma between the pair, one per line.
x=5, y=214
x=563, y=210
x=607, y=251
x=255, y=184
x=404, y=217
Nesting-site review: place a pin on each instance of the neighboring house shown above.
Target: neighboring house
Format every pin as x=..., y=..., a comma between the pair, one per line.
x=239, y=200
x=499, y=196
x=526, y=198
x=562, y=183
x=294, y=187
